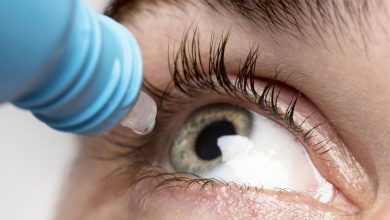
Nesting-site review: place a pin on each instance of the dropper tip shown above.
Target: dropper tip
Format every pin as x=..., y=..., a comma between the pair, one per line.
x=142, y=117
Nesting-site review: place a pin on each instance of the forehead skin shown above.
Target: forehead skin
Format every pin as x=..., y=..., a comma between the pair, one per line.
x=344, y=73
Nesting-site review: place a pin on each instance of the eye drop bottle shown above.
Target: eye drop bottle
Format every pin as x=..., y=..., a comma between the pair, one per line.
x=75, y=70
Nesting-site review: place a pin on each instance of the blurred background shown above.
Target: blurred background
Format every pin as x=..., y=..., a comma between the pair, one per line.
x=34, y=161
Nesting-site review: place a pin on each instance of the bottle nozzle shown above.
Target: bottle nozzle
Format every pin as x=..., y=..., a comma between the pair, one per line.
x=142, y=117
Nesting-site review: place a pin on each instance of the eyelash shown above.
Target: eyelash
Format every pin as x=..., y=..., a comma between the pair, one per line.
x=190, y=78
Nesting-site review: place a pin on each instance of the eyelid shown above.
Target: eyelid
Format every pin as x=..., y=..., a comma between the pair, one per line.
x=183, y=190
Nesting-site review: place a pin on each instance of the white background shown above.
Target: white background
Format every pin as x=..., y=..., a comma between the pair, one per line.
x=34, y=161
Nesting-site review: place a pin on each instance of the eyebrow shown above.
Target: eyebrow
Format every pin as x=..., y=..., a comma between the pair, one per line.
x=299, y=18
x=321, y=17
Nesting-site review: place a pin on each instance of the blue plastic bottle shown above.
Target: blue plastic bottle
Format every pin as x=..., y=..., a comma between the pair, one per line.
x=75, y=70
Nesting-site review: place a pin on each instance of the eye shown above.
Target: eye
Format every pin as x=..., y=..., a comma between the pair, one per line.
x=234, y=144
x=268, y=151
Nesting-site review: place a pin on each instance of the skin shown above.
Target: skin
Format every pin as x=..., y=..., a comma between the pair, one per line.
x=346, y=79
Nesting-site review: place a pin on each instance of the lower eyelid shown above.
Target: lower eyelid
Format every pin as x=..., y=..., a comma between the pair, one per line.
x=182, y=192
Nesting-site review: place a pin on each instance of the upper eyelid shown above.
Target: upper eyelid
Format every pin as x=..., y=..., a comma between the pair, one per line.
x=190, y=77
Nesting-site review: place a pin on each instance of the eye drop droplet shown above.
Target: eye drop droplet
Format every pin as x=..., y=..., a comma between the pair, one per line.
x=142, y=117
x=232, y=146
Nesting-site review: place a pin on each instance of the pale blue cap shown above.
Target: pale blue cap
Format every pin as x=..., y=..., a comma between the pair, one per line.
x=75, y=70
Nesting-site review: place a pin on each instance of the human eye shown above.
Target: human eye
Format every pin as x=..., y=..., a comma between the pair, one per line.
x=234, y=144
x=229, y=139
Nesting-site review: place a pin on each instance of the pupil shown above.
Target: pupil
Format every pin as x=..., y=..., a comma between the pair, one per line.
x=206, y=144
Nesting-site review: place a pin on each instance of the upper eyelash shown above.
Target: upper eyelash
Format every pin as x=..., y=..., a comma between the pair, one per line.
x=191, y=79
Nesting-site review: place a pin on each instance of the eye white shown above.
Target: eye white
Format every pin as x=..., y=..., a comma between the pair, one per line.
x=270, y=158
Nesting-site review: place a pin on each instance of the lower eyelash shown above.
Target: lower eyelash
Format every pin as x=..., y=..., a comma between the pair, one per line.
x=164, y=180
x=184, y=181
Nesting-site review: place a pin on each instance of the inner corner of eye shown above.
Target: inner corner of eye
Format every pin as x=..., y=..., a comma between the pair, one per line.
x=237, y=145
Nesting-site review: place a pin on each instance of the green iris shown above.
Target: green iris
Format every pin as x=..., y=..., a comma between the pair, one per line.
x=195, y=148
